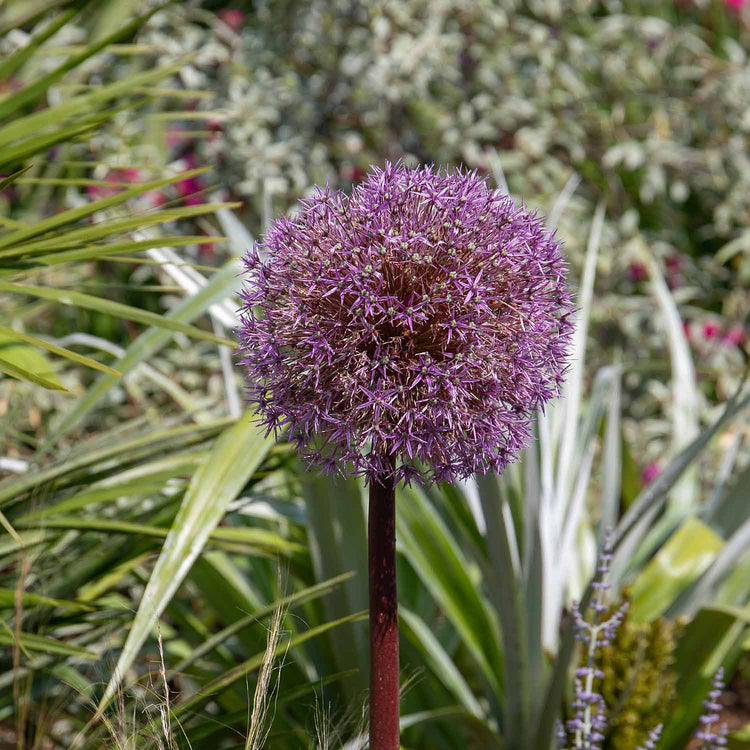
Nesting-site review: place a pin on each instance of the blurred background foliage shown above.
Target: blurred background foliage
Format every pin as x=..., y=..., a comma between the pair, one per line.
x=167, y=564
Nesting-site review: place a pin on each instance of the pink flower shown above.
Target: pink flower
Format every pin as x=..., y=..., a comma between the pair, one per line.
x=637, y=272
x=353, y=173
x=710, y=330
x=235, y=19
x=735, y=336
x=734, y=4
x=650, y=472
x=191, y=188
x=129, y=174
x=156, y=198
x=175, y=136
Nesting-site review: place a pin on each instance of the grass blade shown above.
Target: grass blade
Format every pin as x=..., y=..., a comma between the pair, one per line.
x=11, y=178
x=234, y=458
x=209, y=690
x=434, y=554
x=117, y=309
x=32, y=642
x=9, y=368
x=684, y=494
x=59, y=350
x=149, y=342
x=15, y=239
x=417, y=630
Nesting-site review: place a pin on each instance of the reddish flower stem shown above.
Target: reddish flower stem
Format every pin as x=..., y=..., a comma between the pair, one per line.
x=384, y=672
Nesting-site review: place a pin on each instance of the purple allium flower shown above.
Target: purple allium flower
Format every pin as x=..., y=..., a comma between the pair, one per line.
x=417, y=323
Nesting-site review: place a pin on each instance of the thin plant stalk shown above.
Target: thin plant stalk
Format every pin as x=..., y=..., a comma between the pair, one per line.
x=384, y=669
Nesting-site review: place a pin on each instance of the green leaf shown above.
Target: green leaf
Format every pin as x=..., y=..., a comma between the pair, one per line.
x=15, y=239
x=137, y=246
x=235, y=457
x=47, y=645
x=312, y=592
x=9, y=333
x=13, y=62
x=417, y=630
x=31, y=93
x=9, y=368
x=116, y=309
x=503, y=578
x=636, y=521
x=208, y=691
x=684, y=557
x=712, y=639
x=337, y=537
x=75, y=238
x=258, y=539
x=684, y=494
x=111, y=446
x=96, y=495
x=726, y=561
x=573, y=387
x=437, y=559
x=149, y=342
x=28, y=600
x=12, y=155
x=11, y=178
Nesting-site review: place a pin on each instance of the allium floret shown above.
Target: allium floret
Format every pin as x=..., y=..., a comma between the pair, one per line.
x=408, y=331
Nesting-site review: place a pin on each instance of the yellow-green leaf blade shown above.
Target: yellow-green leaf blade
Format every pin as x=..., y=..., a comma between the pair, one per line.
x=59, y=350
x=74, y=214
x=8, y=368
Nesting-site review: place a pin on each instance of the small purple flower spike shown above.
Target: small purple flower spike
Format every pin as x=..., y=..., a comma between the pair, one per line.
x=713, y=738
x=589, y=721
x=653, y=738
x=408, y=331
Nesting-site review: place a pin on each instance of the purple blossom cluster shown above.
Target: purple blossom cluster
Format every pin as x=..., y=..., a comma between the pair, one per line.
x=408, y=331
x=712, y=738
x=589, y=710
x=653, y=738
x=589, y=721
x=586, y=729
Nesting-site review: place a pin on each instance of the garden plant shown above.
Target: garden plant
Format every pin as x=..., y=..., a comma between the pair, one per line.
x=505, y=339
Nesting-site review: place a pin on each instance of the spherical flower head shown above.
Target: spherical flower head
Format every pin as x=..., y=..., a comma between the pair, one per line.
x=408, y=331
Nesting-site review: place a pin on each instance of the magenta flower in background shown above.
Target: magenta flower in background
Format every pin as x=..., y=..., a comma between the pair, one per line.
x=417, y=323
x=191, y=189
x=710, y=330
x=119, y=179
x=735, y=336
x=637, y=272
x=235, y=19
x=650, y=472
